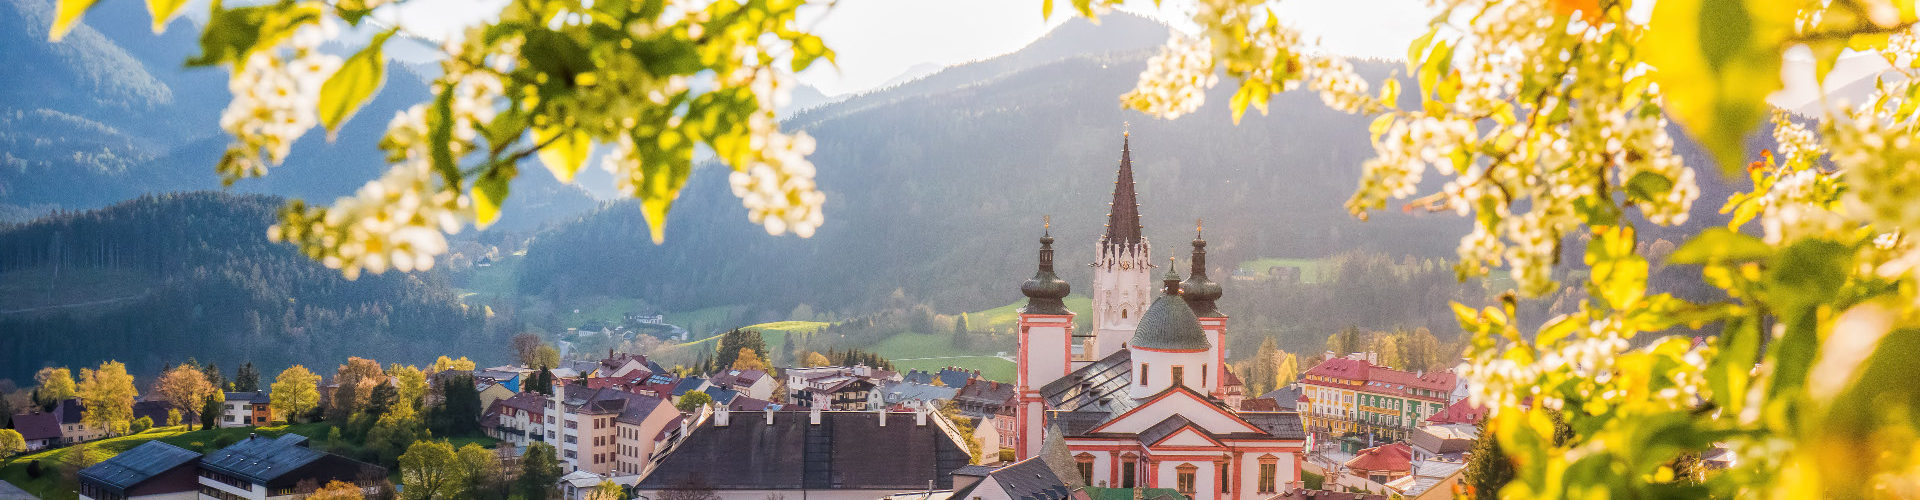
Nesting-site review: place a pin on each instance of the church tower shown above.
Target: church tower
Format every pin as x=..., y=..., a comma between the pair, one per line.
x=1122, y=279
x=1200, y=293
x=1046, y=338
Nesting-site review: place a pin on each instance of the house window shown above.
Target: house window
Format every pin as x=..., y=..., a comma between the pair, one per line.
x=1185, y=473
x=1268, y=468
x=1180, y=375
x=1085, y=464
x=1226, y=478
x=1143, y=374
x=1128, y=470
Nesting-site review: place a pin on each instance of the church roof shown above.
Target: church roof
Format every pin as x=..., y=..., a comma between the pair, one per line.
x=1123, y=215
x=1200, y=291
x=1045, y=290
x=1099, y=386
x=1169, y=324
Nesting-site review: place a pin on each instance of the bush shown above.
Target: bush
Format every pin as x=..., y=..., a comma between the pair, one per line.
x=141, y=425
x=1313, y=481
x=34, y=469
x=1006, y=454
x=225, y=440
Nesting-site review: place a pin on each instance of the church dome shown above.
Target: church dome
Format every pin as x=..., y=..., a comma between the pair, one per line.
x=1169, y=324
x=1200, y=291
x=1045, y=290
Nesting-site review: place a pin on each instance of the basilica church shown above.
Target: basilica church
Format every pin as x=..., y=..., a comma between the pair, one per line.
x=1146, y=398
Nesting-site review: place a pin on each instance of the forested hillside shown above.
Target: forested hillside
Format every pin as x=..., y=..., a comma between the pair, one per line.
x=937, y=187
x=160, y=278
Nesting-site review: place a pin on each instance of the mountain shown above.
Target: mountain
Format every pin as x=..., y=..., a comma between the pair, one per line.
x=912, y=73
x=936, y=189
x=110, y=113
x=152, y=281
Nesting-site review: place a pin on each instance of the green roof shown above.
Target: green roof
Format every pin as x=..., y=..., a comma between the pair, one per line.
x=1127, y=493
x=1169, y=324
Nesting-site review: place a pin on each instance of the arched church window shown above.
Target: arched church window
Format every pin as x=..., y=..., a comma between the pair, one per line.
x=1123, y=314
x=1203, y=375
x=1143, y=374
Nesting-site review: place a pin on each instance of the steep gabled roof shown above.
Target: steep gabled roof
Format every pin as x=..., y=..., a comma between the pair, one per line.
x=1397, y=457
x=1098, y=386
x=36, y=426
x=1460, y=412
x=1028, y=479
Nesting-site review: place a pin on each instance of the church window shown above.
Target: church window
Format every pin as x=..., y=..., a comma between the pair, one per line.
x=1129, y=468
x=1179, y=375
x=1269, y=467
x=1143, y=374
x=1226, y=477
x=1203, y=375
x=1123, y=314
x=1085, y=466
x=1185, y=473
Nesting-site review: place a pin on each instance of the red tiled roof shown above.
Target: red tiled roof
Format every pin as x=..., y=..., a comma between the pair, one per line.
x=1461, y=412
x=1397, y=457
x=1361, y=375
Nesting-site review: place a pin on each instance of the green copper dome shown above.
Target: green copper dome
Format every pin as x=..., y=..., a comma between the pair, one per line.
x=1169, y=324
x=1045, y=290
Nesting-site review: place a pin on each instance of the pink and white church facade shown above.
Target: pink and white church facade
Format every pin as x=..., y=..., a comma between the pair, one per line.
x=1146, y=399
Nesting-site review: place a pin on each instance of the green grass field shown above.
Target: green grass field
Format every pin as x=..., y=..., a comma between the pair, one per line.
x=1004, y=317
x=492, y=281
x=48, y=485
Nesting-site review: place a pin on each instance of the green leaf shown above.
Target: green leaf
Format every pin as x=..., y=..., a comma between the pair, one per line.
x=163, y=11
x=664, y=165
x=489, y=192
x=1720, y=244
x=808, y=48
x=440, y=136
x=1619, y=274
x=1717, y=60
x=353, y=84
x=67, y=13
x=1648, y=186
x=564, y=150
x=233, y=34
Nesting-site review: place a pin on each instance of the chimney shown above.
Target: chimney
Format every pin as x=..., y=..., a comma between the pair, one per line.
x=814, y=416
x=1373, y=358
x=883, y=417
x=920, y=417
x=721, y=417
x=769, y=415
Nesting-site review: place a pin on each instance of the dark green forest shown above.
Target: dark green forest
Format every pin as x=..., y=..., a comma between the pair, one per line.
x=163, y=278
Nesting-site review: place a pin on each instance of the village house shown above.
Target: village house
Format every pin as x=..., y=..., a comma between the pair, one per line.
x=41, y=430
x=751, y=383
x=1382, y=464
x=519, y=420
x=991, y=406
x=605, y=431
x=244, y=409
x=1352, y=395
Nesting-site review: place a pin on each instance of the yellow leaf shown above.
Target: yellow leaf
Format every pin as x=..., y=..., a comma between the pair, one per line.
x=1716, y=61
x=68, y=12
x=163, y=11
x=565, y=150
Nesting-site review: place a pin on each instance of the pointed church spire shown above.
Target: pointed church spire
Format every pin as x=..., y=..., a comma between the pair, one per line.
x=1123, y=214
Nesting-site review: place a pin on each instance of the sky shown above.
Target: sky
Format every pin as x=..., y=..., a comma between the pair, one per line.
x=877, y=40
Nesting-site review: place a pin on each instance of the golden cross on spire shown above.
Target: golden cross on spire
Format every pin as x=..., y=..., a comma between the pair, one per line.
x=1126, y=128
x=1197, y=227
x=1047, y=220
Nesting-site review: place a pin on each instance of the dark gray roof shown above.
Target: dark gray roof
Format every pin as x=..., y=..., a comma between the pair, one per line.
x=250, y=397
x=1280, y=424
x=1169, y=324
x=37, y=426
x=262, y=459
x=1163, y=429
x=974, y=470
x=1099, y=386
x=1028, y=479
x=1123, y=213
x=70, y=411
x=137, y=465
x=1287, y=397
x=687, y=384
x=847, y=450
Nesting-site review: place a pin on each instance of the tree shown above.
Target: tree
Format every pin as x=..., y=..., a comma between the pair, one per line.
x=337, y=490
x=606, y=490
x=458, y=413
x=539, y=471
x=1488, y=467
x=173, y=417
x=960, y=327
x=11, y=443
x=750, y=360
x=524, y=345
x=185, y=388
x=295, y=392
x=210, y=409
x=354, y=383
x=411, y=383
x=429, y=470
x=1288, y=370
x=479, y=473
x=107, y=395
x=394, y=433
x=733, y=341
x=540, y=381
x=546, y=355
x=815, y=359
x=444, y=363
x=692, y=401
x=55, y=385
x=247, y=378
x=1348, y=341
x=214, y=378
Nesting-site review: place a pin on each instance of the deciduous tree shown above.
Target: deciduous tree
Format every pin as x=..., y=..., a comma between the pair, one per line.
x=337, y=490
x=429, y=470
x=108, y=394
x=185, y=388
x=55, y=384
x=411, y=383
x=692, y=401
x=296, y=391
x=11, y=443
